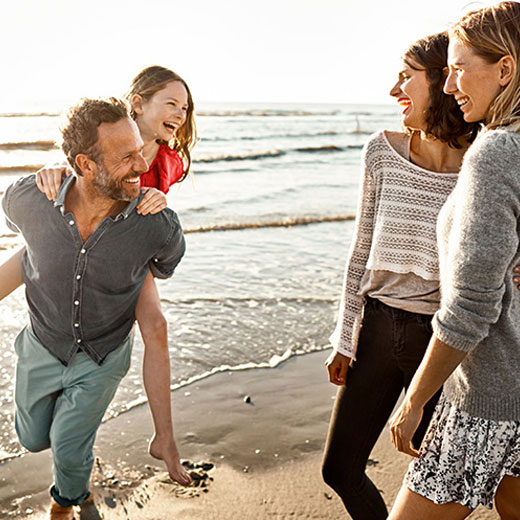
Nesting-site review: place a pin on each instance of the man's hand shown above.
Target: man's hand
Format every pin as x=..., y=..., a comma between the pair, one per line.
x=153, y=201
x=166, y=450
x=49, y=178
x=337, y=364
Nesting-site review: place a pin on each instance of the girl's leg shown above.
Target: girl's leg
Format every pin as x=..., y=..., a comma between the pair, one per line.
x=11, y=274
x=507, y=499
x=412, y=506
x=156, y=377
x=362, y=409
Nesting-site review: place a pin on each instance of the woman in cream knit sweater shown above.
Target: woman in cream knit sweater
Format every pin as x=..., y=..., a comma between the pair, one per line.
x=391, y=288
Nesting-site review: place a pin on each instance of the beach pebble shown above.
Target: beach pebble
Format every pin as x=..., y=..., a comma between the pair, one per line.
x=247, y=399
x=206, y=466
x=110, y=502
x=245, y=469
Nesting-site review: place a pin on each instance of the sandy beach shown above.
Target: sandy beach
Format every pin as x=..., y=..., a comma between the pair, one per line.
x=265, y=453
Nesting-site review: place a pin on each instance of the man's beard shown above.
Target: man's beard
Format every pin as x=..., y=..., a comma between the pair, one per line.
x=111, y=188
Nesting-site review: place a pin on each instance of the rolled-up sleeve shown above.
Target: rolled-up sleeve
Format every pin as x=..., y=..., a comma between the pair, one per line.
x=478, y=254
x=8, y=205
x=164, y=262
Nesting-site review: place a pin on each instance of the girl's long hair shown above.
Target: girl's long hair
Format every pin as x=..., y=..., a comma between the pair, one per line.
x=146, y=84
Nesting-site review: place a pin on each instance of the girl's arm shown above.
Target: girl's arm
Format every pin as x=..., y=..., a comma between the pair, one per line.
x=49, y=180
x=156, y=376
x=11, y=274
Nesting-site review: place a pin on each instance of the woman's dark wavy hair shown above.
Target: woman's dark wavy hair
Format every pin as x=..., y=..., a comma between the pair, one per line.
x=444, y=119
x=146, y=84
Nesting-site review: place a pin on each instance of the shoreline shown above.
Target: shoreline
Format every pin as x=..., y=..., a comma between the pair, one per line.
x=266, y=452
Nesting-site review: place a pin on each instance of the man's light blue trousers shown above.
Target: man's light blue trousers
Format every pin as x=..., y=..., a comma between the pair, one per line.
x=61, y=407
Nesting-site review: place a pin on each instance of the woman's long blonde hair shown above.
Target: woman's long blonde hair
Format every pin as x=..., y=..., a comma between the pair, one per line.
x=492, y=33
x=146, y=84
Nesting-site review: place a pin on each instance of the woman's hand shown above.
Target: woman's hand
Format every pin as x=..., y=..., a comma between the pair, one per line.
x=153, y=201
x=337, y=364
x=49, y=178
x=516, y=276
x=403, y=425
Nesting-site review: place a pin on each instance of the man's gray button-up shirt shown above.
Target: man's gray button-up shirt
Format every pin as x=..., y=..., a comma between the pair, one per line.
x=84, y=294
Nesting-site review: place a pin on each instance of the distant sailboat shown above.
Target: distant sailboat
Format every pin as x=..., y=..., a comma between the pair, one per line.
x=358, y=126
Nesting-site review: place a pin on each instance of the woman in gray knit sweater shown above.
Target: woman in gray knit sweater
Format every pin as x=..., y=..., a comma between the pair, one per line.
x=471, y=453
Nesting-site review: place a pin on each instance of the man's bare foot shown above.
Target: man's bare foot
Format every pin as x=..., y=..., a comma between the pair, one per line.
x=60, y=513
x=166, y=450
x=88, y=510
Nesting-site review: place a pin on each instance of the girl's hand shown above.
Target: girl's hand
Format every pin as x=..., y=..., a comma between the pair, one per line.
x=337, y=364
x=153, y=201
x=49, y=178
x=402, y=427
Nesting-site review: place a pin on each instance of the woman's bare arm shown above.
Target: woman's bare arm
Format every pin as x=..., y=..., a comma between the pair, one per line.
x=439, y=361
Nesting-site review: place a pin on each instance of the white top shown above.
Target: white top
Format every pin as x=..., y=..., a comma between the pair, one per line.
x=395, y=226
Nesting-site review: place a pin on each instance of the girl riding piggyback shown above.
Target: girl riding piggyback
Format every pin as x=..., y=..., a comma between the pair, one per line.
x=160, y=103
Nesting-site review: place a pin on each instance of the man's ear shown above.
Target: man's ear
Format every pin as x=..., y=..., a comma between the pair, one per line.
x=136, y=102
x=507, y=70
x=87, y=166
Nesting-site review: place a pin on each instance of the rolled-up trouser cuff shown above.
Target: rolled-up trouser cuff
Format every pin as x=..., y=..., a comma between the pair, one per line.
x=65, y=502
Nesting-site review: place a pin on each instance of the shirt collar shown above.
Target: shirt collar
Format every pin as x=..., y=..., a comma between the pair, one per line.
x=67, y=183
x=62, y=192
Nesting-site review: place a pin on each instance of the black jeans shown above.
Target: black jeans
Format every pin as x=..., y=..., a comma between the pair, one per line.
x=391, y=346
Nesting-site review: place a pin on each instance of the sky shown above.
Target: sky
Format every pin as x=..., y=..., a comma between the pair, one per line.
x=305, y=51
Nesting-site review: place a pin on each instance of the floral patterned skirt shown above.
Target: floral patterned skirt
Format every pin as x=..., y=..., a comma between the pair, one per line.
x=464, y=458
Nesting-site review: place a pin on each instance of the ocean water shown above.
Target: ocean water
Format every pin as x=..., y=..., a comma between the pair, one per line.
x=268, y=216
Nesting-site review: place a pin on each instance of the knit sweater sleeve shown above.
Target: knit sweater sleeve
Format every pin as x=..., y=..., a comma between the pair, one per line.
x=345, y=337
x=480, y=240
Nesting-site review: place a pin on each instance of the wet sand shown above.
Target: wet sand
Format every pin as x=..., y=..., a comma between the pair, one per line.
x=262, y=430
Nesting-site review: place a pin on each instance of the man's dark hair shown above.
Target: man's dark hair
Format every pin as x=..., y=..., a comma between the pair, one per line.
x=80, y=131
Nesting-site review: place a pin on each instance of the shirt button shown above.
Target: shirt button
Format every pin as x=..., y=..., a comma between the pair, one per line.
x=83, y=251
x=76, y=302
x=76, y=325
x=78, y=277
x=78, y=340
x=155, y=259
x=71, y=222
